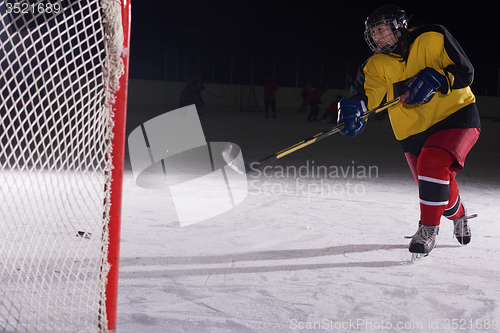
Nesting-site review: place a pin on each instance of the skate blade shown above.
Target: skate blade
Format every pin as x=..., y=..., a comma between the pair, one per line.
x=415, y=257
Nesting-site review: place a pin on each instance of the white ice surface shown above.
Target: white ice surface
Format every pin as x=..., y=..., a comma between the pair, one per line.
x=293, y=258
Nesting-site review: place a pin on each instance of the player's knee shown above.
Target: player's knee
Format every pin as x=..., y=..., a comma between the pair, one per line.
x=434, y=162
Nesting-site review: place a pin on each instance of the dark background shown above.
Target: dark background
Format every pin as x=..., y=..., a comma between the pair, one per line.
x=219, y=39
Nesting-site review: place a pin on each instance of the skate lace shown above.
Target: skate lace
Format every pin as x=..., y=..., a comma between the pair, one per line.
x=461, y=226
x=425, y=234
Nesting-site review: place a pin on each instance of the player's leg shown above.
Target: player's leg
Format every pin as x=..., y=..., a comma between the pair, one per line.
x=457, y=142
x=454, y=209
x=434, y=179
x=432, y=171
x=266, y=107
x=273, y=108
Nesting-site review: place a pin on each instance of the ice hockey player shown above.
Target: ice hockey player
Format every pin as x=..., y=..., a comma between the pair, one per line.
x=270, y=88
x=192, y=93
x=436, y=125
x=314, y=100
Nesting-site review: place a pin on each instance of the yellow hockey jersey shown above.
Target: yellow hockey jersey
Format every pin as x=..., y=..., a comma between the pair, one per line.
x=383, y=77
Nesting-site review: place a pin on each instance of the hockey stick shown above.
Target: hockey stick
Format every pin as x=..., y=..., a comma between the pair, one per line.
x=304, y=143
x=211, y=93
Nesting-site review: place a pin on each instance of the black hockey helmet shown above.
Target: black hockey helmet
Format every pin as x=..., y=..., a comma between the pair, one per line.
x=387, y=19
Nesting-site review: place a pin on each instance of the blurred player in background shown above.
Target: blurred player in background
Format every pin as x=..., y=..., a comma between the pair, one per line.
x=270, y=88
x=305, y=93
x=192, y=93
x=314, y=101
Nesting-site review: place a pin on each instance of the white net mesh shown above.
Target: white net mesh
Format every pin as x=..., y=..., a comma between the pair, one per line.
x=58, y=74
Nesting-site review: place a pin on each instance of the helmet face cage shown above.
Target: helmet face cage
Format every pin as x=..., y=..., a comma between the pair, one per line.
x=381, y=33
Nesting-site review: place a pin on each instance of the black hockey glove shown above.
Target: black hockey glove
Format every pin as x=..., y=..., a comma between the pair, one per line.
x=423, y=86
x=350, y=111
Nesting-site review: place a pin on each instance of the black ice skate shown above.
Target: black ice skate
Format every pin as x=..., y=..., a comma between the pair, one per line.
x=462, y=230
x=423, y=241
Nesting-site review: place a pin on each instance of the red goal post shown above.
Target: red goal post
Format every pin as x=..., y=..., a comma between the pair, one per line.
x=63, y=96
x=117, y=180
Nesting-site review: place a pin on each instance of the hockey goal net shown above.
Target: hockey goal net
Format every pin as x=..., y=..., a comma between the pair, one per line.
x=63, y=86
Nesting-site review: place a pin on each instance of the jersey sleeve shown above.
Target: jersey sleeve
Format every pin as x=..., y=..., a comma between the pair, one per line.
x=373, y=83
x=358, y=87
x=457, y=68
